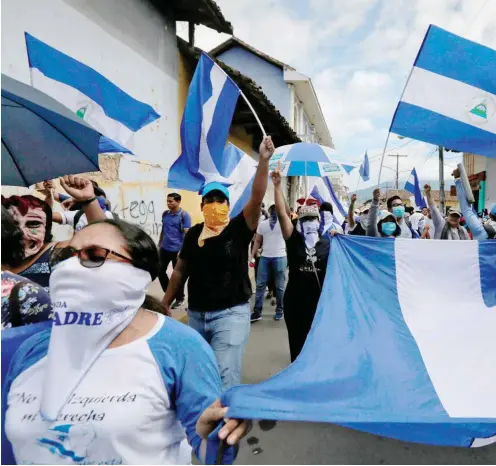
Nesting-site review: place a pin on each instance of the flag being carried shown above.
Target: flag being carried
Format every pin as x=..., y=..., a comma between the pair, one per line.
x=94, y=98
x=413, y=186
x=365, y=168
x=450, y=97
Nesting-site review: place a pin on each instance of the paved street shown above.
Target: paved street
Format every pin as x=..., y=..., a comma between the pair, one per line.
x=301, y=443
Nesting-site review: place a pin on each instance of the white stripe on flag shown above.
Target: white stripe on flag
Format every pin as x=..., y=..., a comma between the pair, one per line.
x=240, y=177
x=450, y=98
x=206, y=164
x=75, y=100
x=461, y=360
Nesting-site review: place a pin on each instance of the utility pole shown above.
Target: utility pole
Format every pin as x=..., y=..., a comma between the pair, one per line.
x=398, y=167
x=442, y=199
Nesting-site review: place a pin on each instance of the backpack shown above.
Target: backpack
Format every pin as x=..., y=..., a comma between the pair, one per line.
x=80, y=213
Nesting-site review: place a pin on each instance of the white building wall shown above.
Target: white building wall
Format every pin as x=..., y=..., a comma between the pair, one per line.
x=132, y=45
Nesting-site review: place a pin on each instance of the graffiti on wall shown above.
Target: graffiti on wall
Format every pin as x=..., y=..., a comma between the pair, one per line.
x=142, y=212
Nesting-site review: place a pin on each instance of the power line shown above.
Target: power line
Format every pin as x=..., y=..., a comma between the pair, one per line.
x=476, y=16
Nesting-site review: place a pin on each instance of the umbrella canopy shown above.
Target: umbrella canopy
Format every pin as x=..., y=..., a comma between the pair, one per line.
x=307, y=159
x=42, y=139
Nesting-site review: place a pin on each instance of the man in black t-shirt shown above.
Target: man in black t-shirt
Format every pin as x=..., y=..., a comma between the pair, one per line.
x=214, y=257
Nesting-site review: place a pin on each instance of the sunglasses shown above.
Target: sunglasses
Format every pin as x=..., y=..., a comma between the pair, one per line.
x=90, y=257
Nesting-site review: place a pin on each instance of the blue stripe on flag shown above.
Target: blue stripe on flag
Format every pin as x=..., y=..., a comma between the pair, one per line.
x=219, y=130
x=243, y=199
x=308, y=168
x=487, y=259
x=409, y=187
x=418, y=123
x=116, y=103
x=453, y=56
x=107, y=145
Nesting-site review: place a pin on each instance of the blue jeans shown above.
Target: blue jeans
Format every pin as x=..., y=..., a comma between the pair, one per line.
x=278, y=266
x=227, y=332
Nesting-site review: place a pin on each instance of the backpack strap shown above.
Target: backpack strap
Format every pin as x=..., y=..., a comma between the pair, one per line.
x=15, y=305
x=77, y=217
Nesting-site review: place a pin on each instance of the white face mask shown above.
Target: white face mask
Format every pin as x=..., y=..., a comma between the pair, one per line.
x=310, y=231
x=364, y=218
x=92, y=307
x=328, y=220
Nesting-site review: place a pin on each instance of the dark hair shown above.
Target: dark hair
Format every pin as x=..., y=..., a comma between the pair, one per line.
x=410, y=210
x=143, y=252
x=26, y=202
x=12, y=240
x=391, y=199
x=326, y=207
x=175, y=196
x=215, y=196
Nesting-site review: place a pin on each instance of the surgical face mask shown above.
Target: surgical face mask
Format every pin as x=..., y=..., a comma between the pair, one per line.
x=92, y=306
x=388, y=228
x=399, y=211
x=310, y=231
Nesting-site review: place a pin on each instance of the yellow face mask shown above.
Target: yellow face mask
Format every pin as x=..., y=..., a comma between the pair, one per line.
x=216, y=217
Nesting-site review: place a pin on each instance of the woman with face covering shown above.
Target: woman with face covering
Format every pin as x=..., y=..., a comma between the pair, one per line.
x=383, y=224
x=307, y=252
x=34, y=217
x=113, y=381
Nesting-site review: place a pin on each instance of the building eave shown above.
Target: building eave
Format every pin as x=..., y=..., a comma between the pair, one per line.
x=306, y=93
x=274, y=123
x=205, y=12
x=234, y=41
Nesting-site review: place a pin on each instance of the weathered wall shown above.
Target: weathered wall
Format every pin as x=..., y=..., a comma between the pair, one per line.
x=131, y=44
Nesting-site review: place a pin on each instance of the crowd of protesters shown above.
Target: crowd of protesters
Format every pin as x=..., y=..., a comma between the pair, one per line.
x=91, y=317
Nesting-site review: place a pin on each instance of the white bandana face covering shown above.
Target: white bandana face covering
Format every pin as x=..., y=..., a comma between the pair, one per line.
x=310, y=231
x=91, y=308
x=328, y=220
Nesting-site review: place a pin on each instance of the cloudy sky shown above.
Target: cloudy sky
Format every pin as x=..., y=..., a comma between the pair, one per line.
x=358, y=54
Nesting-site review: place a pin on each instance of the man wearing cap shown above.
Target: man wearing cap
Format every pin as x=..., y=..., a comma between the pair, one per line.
x=450, y=228
x=214, y=258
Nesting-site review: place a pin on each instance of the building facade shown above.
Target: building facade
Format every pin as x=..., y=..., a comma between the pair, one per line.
x=481, y=172
x=132, y=43
x=291, y=92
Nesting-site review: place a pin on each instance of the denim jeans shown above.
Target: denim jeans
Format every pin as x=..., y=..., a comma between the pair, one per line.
x=227, y=332
x=278, y=266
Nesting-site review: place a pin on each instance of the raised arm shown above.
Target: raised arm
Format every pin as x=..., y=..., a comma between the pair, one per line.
x=282, y=215
x=437, y=218
x=351, y=210
x=82, y=191
x=252, y=210
x=473, y=222
x=372, y=219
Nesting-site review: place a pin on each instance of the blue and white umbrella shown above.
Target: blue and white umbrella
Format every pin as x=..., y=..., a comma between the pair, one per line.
x=308, y=159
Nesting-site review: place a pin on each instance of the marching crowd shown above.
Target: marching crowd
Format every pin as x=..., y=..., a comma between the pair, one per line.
x=100, y=338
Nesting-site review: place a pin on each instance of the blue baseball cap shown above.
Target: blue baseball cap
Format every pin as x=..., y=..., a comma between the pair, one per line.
x=493, y=209
x=214, y=186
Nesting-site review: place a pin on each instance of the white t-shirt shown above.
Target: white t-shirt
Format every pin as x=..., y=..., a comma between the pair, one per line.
x=138, y=403
x=273, y=241
x=430, y=222
x=405, y=231
x=68, y=217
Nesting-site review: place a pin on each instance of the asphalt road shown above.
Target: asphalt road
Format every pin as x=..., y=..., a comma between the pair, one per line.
x=305, y=443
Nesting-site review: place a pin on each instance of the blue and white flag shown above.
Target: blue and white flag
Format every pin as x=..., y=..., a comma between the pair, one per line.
x=322, y=191
x=365, y=168
x=413, y=186
x=102, y=104
x=208, y=113
x=450, y=97
x=381, y=359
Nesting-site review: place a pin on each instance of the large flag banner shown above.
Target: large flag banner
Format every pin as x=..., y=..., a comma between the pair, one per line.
x=365, y=168
x=322, y=191
x=380, y=359
x=450, y=97
x=101, y=103
x=208, y=113
x=413, y=186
